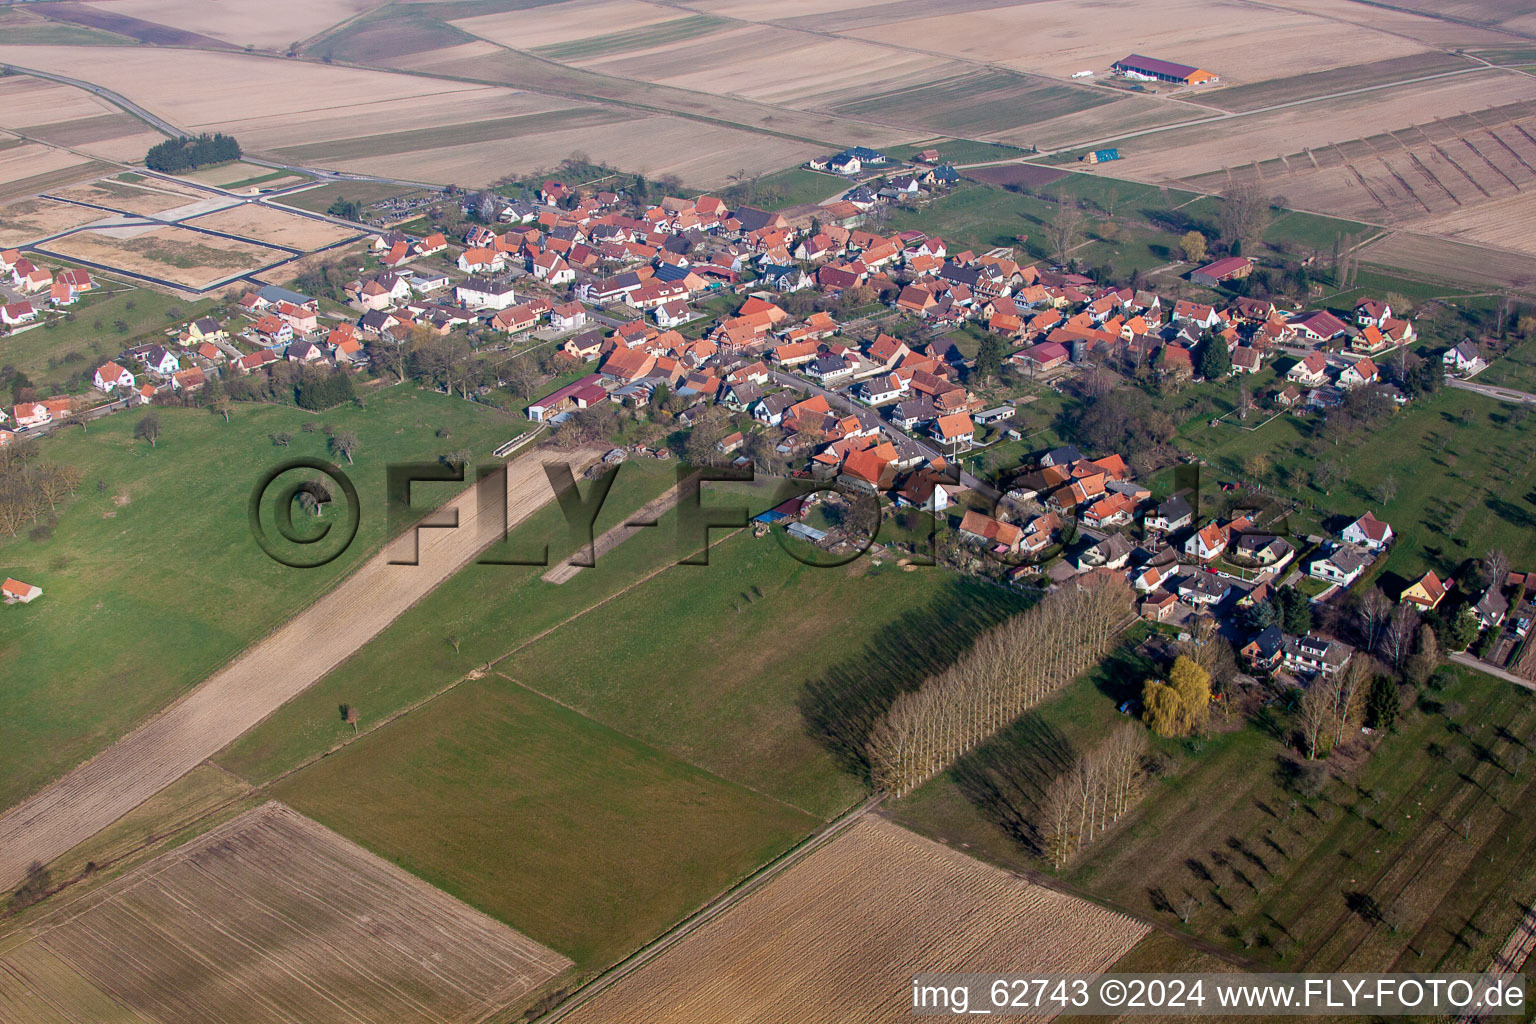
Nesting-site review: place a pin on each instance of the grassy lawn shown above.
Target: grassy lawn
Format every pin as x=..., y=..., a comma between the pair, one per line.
x=1461, y=464
x=958, y=151
x=631, y=39
x=51, y=354
x=151, y=577
x=731, y=691
x=491, y=609
x=796, y=185
x=318, y=200
x=1431, y=825
x=1516, y=368
x=727, y=693
x=585, y=839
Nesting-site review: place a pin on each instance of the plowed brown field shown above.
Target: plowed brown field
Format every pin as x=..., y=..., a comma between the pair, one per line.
x=839, y=936
x=270, y=917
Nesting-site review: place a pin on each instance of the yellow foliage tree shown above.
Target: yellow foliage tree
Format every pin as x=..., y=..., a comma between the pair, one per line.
x=1180, y=706
x=1162, y=709
x=1193, y=685
x=1193, y=244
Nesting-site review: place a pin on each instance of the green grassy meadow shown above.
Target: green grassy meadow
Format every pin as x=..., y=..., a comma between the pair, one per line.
x=151, y=578
x=583, y=838
x=1462, y=465
x=490, y=609
x=51, y=354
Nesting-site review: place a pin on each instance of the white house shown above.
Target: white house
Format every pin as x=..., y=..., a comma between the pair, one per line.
x=1368, y=532
x=1203, y=589
x=1461, y=358
x=480, y=261
x=1311, y=372
x=671, y=314
x=1491, y=608
x=1371, y=312
x=110, y=375
x=1312, y=655
x=552, y=268
x=424, y=281
x=955, y=432
x=1173, y=514
x=845, y=163
x=161, y=361
x=31, y=414
x=17, y=592
x=1359, y=374
x=568, y=316
x=482, y=293
x=884, y=388
x=1197, y=313
x=17, y=313
x=1342, y=566
x=1207, y=543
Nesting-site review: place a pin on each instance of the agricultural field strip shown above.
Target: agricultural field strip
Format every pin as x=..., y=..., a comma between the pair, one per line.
x=186, y=218
x=276, y=668
x=1215, y=117
x=230, y=902
x=611, y=538
x=835, y=934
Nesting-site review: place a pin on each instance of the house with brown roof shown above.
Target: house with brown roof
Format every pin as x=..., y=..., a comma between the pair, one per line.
x=16, y=592
x=1368, y=532
x=994, y=533
x=1311, y=372
x=1358, y=374
x=955, y=432
x=110, y=376
x=1427, y=591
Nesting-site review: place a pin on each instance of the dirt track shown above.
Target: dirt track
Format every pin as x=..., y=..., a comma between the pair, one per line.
x=260, y=681
x=610, y=539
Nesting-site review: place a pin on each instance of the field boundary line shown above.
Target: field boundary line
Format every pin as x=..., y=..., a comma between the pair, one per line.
x=573, y=709
x=713, y=909
x=471, y=675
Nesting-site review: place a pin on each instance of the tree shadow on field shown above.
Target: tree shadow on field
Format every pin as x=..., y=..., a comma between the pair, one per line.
x=841, y=705
x=1007, y=776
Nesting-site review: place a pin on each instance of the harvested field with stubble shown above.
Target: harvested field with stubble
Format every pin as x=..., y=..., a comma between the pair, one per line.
x=253, y=220
x=190, y=259
x=31, y=219
x=1442, y=259
x=1187, y=153
x=839, y=935
x=976, y=103
x=1058, y=37
x=563, y=23
x=272, y=23
x=271, y=917
x=650, y=145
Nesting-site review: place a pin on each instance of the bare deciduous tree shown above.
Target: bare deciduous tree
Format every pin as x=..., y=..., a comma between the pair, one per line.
x=1375, y=611
x=1064, y=230
x=1010, y=668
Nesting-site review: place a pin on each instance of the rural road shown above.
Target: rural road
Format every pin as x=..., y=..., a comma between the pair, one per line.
x=259, y=681
x=1493, y=670
x=1492, y=391
x=612, y=538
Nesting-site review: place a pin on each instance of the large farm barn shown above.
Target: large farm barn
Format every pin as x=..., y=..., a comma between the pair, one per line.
x=1150, y=69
